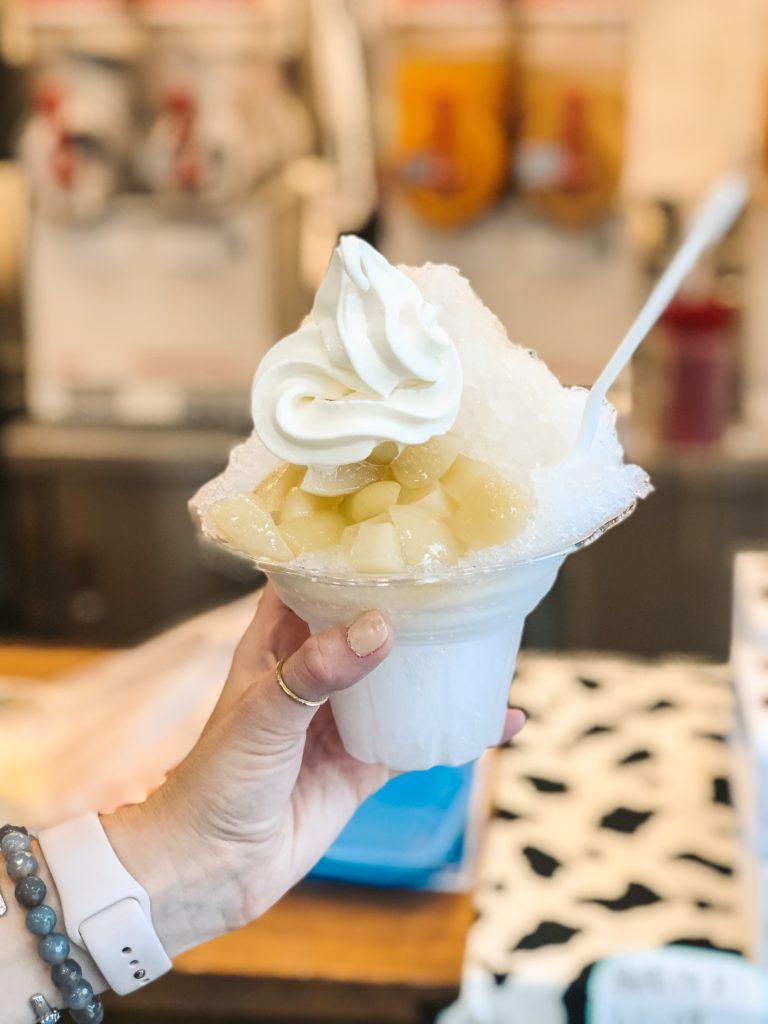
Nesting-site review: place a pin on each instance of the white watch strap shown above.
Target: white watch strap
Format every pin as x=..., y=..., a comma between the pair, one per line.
x=105, y=909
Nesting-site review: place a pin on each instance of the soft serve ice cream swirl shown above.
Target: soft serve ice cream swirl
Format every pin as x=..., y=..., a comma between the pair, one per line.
x=369, y=364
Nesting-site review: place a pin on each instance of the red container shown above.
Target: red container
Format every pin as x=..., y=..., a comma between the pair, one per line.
x=698, y=358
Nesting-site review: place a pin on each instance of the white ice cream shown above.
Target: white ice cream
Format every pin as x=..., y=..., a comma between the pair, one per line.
x=370, y=364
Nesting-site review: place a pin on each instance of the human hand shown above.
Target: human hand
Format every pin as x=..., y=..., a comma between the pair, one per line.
x=266, y=789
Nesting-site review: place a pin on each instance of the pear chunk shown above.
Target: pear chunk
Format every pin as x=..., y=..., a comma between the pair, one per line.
x=351, y=532
x=317, y=532
x=422, y=465
x=273, y=488
x=462, y=476
x=409, y=495
x=433, y=499
x=297, y=504
x=376, y=549
x=246, y=524
x=423, y=537
x=384, y=453
x=334, y=480
x=370, y=501
x=492, y=512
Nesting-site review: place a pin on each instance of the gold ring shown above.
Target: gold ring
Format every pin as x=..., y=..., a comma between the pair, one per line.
x=289, y=692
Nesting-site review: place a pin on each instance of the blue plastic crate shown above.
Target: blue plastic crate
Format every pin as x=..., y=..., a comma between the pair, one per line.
x=405, y=833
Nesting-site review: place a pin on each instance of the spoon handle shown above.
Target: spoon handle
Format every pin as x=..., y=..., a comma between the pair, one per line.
x=715, y=216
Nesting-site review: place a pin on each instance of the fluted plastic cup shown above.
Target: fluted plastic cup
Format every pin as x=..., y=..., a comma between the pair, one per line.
x=440, y=696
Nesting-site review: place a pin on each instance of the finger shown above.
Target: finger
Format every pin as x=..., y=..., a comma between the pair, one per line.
x=514, y=723
x=273, y=631
x=338, y=657
x=324, y=664
x=275, y=628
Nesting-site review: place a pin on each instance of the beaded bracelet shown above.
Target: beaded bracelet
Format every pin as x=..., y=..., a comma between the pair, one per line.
x=54, y=948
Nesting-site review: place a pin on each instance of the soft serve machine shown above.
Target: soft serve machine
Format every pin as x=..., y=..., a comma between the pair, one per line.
x=161, y=153
x=189, y=167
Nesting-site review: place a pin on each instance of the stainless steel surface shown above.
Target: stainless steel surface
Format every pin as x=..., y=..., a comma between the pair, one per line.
x=97, y=546
x=663, y=582
x=215, y=293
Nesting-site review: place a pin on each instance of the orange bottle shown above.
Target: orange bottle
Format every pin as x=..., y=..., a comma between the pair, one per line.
x=452, y=90
x=573, y=88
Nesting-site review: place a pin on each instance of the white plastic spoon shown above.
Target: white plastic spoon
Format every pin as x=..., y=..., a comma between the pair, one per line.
x=715, y=216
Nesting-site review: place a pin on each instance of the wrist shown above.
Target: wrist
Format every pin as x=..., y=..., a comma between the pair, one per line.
x=186, y=888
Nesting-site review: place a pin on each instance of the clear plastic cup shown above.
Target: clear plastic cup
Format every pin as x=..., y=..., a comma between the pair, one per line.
x=441, y=695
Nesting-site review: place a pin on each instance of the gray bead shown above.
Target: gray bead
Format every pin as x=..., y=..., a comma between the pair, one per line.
x=14, y=842
x=92, y=1014
x=12, y=828
x=30, y=892
x=65, y=973
x=21, y=865
x=54, y=948
x=68, y=986
x=41, y=920
x=78, y=995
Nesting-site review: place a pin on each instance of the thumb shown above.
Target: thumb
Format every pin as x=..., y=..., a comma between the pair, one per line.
x=324, y=664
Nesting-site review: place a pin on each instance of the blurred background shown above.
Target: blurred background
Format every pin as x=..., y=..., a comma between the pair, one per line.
x=173, y=177
x=175, y=173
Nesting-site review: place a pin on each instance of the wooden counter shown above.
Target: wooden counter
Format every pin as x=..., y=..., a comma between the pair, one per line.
x=326, y=952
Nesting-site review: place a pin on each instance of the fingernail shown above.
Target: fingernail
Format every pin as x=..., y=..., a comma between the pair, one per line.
x=367, y=634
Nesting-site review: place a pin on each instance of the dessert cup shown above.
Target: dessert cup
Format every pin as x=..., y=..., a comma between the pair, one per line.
x=394, y=374
x=441, y=695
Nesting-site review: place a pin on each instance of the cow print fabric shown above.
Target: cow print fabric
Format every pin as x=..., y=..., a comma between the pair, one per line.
x=611, y=823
